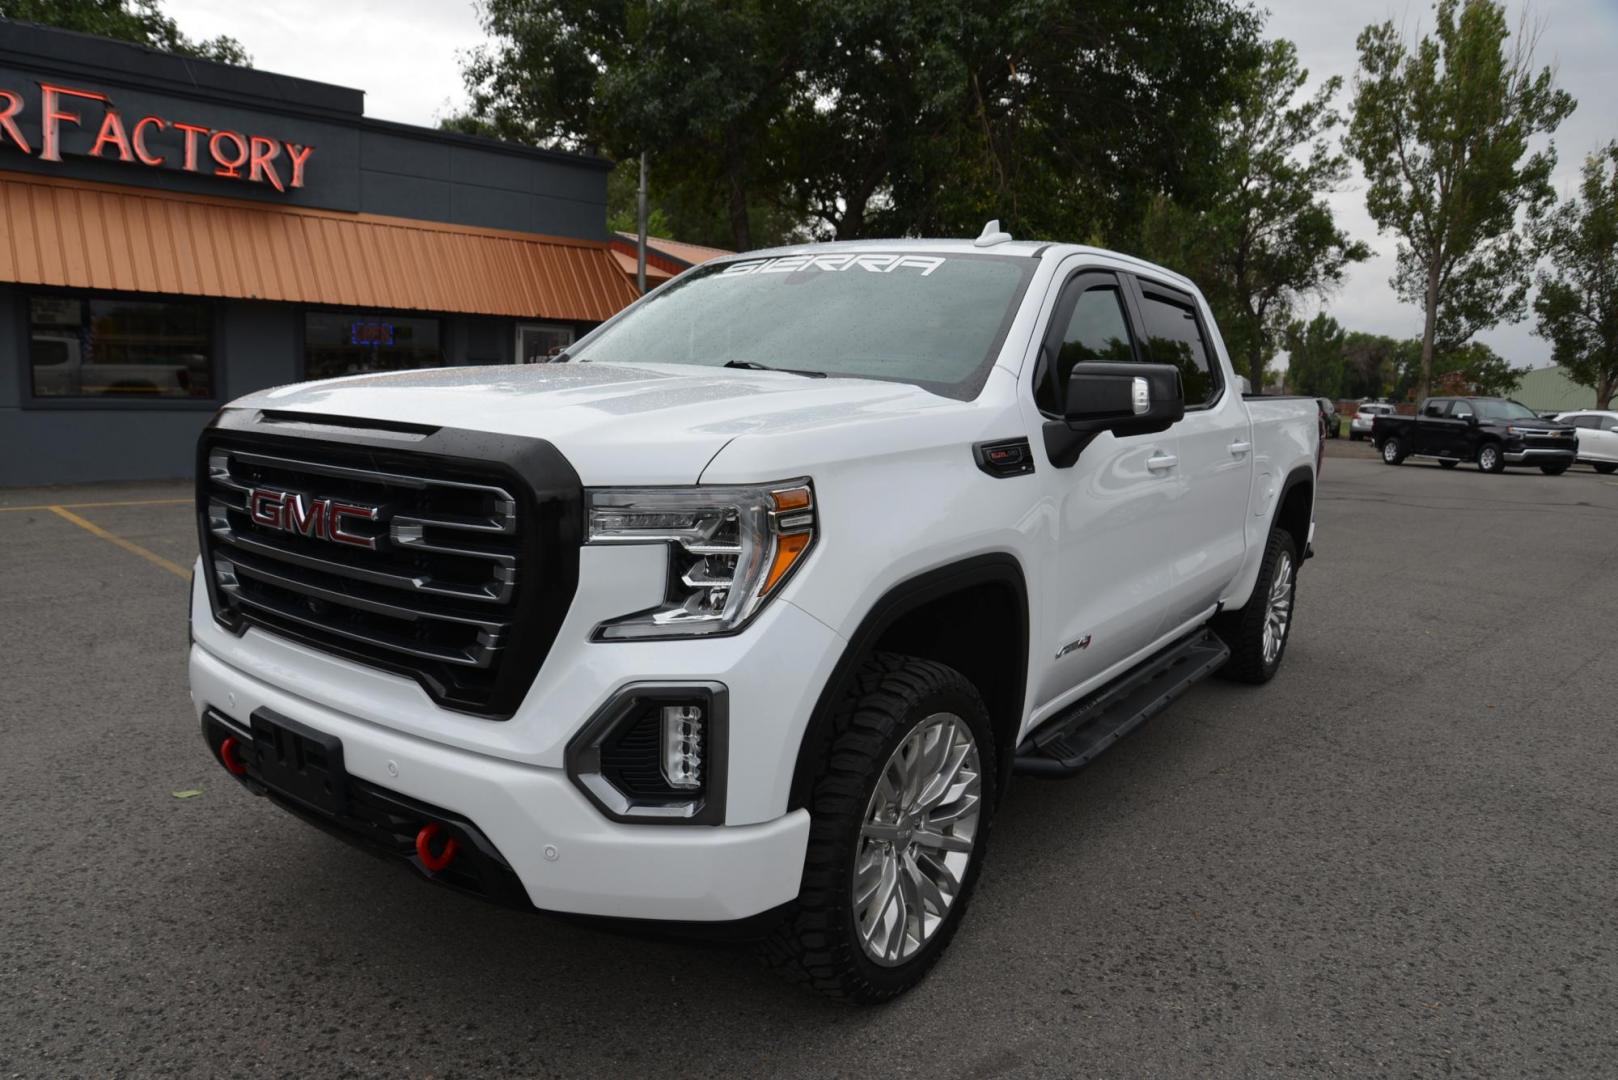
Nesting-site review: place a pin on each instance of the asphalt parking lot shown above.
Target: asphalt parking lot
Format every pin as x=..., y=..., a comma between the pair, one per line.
x=1399, y=857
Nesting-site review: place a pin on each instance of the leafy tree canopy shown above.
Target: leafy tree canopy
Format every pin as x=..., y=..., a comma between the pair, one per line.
x=141, y=22
x=848, y=118
x=1316, y=357
x=1441, y=128
x=1258, y=235
x=1577, y=303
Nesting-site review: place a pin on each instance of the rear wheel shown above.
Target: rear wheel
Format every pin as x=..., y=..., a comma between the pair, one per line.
x=899, y=824
x=1490, y=459
x=1393, y=451
x=1606, y=468
x=1553, y=470
x=1257, y=632
x=1353, y=436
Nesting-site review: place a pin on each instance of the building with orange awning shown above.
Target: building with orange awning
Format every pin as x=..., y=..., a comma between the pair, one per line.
x=175, y=233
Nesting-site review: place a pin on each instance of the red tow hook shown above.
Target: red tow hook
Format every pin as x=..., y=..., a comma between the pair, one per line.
x=424, y=850
x=227, y=757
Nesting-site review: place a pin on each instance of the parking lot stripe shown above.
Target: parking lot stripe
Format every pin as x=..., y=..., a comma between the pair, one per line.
x=133, y=548
x=88, y=506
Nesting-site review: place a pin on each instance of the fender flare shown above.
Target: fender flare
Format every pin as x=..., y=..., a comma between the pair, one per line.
x=1000, y=568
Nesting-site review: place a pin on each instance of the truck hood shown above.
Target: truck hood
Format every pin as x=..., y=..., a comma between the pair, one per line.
x=616, y=423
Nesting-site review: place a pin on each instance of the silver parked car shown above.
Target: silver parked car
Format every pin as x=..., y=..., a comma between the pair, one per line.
x=1360, y=426
x=1598, y=438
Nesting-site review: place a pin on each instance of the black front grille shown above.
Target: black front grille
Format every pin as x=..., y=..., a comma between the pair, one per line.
x=452, y=561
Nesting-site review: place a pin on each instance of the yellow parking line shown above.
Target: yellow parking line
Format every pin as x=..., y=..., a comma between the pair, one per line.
x=88, y=506
x=133, y=548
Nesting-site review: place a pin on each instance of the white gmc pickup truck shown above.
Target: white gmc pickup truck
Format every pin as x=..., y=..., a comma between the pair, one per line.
x=747, y=611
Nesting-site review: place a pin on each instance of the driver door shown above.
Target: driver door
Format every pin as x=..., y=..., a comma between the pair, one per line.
x=1111, y=555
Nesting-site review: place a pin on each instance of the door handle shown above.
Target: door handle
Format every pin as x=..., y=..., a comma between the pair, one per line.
x=1240, y=447
x=1161, y=462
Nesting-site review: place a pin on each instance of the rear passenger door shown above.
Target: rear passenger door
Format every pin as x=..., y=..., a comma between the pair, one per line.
x=1216, y=452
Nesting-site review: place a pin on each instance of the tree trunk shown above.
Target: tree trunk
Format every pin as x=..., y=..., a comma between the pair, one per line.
x=1604, y=391
x=1255, y=366
x=1429, y=330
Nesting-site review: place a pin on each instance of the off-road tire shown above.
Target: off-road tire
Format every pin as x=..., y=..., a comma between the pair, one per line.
x=1242, y=630
x=815, y=943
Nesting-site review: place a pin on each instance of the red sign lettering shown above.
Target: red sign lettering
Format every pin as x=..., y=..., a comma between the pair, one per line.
x=250, y=158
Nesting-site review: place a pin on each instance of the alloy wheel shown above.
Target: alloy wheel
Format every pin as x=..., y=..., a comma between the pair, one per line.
x=1278, y=611
x=916, y=839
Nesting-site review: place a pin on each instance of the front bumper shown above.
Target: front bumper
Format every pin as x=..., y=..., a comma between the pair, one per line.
x=1533, y=455
x=566, y=856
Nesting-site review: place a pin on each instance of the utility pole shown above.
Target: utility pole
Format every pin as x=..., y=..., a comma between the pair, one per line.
x=640, y=245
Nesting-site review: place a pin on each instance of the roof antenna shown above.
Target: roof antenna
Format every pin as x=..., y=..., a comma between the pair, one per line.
x=991, y=235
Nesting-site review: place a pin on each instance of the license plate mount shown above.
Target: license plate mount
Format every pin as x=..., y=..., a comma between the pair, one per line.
x=294, y=759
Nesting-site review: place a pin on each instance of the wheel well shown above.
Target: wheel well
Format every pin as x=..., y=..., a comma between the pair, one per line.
x=976, y=632
x=1297, y=506
x=972, y=617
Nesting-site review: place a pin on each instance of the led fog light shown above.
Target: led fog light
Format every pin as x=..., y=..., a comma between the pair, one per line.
x=682, y=746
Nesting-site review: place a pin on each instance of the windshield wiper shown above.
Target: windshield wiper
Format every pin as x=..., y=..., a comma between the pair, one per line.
x=750, y=365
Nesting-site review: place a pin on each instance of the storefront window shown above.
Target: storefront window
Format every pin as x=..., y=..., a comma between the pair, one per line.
x=347, y=342
x=537, y=343
x=105, y=347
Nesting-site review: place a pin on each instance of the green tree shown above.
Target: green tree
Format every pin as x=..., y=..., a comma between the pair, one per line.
x=847, y=118
x=139, y=21
x=1472, y=368
x=1577, y=303
x=1370, y=364
x=1315, y=356
x=1261, y=235
x=1441, y=129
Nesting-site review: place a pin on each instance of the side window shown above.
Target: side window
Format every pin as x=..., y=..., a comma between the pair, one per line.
x=1096, y=330
x=1460, y=410
x=1173, y=337
x=1435, y=409
x=1610, y=424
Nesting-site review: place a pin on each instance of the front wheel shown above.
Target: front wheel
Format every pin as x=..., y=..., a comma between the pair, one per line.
x=1257, y=632
x=1606, y=468
x=899, y=825
x=1393, y=451
x=1553, y=470
x=1449, y=464
x=1490, y=459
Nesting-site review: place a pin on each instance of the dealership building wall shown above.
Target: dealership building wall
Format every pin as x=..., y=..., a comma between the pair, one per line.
x=205, y=231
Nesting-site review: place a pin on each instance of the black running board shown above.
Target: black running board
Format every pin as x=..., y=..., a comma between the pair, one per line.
x=1072, y=739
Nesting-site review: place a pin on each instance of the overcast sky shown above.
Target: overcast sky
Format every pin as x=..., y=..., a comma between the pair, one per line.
x=405, y=55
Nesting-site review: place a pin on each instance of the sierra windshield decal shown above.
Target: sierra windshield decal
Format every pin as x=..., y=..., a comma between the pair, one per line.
x=875, y=264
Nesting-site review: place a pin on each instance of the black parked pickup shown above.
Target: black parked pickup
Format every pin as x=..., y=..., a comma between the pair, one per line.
x=1494, y=432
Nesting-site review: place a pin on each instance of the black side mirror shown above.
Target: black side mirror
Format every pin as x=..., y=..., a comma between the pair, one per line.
x=1123, y=398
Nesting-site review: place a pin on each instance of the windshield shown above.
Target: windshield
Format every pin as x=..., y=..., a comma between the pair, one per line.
x=1505, y=410
x=936, y=321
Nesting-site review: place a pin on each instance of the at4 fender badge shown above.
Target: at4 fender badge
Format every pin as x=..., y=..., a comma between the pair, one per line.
x=1073, y=646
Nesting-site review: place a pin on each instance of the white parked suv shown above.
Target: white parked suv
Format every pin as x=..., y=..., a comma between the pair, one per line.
x=747, y=613
x=1598, y=438
x=1359, y=426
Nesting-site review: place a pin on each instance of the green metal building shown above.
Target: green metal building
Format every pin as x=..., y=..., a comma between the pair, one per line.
x=1548, y=389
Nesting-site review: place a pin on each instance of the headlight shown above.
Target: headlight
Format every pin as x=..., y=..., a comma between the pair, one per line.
x=730, y=550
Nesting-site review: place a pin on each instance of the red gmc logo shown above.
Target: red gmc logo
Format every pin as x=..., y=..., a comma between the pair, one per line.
x=322, y=519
